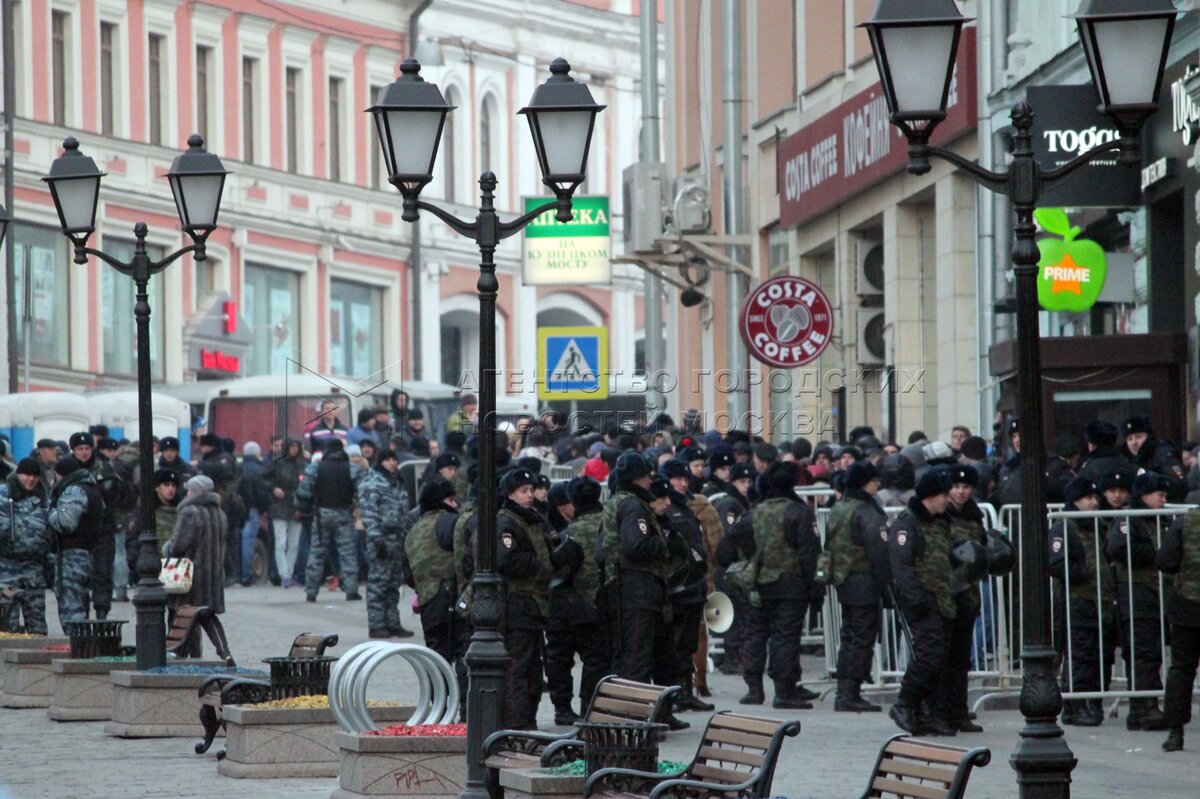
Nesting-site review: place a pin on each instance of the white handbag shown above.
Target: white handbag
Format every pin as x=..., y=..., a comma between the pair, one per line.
x=176, y=575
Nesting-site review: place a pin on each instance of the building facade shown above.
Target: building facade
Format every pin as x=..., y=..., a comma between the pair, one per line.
x=312, y=267
x=828, y=200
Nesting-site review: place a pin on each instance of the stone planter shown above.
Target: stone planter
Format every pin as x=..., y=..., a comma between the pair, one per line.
x=28, y=678
x=376, y=765
x=287, y=742
x=29, y=643
x=83, y=689
x=153, y=705
x=527, y=783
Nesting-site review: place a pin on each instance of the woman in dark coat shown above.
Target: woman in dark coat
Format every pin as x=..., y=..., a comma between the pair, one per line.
x=200, y=536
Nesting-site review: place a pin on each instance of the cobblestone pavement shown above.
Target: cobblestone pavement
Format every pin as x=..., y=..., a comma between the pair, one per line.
x=830, y=758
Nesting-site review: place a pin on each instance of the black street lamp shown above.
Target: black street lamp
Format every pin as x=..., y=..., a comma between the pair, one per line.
x=409, y=116
x=1126, y=43
x=197, y=179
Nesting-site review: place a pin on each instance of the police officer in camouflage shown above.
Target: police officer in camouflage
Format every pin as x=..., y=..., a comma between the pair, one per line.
x=1180, y=555
x=966, y=524
x=1130, y=546
x=329, y=488
x=429, y=548
x=786, y=548
x=634, y=554
x=382, y=500
x=919, y=550
x=76, y=515
x=25, y=545
x=523, y=561
x=1077, y=562
x=577, y=623
x=856, y=540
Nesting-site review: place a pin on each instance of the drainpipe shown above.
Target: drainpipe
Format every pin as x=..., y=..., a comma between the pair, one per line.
x=649, y=151
x=414, y=256
x=737, y=402
x=10, y=276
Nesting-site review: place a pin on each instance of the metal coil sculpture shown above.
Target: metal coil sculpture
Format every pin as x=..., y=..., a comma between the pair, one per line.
x=437, y=702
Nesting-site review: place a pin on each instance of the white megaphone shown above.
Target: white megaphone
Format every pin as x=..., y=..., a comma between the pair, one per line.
x=718, y=612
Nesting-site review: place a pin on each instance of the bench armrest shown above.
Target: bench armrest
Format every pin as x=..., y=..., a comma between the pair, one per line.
x=215, y=683
x=245, y=692
x=695, y=789
x=562, y=752
x=623, y=780
x=527, y=742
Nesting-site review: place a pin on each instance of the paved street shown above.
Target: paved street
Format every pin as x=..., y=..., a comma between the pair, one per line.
x=830, y=758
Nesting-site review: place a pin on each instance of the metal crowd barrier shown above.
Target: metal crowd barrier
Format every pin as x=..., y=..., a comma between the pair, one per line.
x=436, y=704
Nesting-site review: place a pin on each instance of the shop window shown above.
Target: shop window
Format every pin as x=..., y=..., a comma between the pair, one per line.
x=355, y=328
x=42, y=271
x=116, y=313
x=270, y=302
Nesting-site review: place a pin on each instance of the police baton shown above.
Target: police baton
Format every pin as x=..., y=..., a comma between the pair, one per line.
x=908, y=635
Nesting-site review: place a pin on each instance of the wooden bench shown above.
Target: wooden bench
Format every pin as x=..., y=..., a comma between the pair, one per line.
x=911, y=769
x=736, y=758
x=223, y=689
x=615, y=700
x=183, y=629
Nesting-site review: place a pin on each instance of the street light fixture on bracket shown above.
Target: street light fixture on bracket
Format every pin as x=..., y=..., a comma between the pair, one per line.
x=409, y=116
x=197, y=180
x=912, y=39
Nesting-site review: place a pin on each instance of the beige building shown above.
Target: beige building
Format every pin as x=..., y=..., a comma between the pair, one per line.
x=827, y=199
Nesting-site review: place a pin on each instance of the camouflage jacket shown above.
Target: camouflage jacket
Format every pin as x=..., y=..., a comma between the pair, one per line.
x=24, y=533
x=430, y=549
x=382, y=501
x=920, y=557
x=1180, y=555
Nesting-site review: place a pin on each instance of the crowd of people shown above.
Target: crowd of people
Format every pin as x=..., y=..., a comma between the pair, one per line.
x=613, y=566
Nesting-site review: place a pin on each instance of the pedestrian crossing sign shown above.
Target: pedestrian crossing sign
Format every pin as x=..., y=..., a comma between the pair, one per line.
x=572, y=363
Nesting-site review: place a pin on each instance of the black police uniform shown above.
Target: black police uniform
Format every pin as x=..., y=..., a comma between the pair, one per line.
x=950, y=696
x=523, y=560
x=685, y=586
x=1077, y=563
x=636, y=588
x=1130, y=546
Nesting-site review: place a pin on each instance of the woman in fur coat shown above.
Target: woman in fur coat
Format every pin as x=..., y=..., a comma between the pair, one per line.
x=200, y=536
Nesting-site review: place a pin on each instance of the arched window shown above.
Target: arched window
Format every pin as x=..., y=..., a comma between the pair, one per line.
x=448, y=151
x=486, y=134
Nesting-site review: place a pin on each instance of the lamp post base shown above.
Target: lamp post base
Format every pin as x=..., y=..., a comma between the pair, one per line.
x=1042, y=759
x=151, y=604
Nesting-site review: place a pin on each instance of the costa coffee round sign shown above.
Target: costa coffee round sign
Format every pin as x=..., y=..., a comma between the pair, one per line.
x=786, y=322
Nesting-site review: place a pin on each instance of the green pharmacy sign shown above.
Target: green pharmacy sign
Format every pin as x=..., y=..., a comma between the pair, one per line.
x=568, y=253
x=1071, y=271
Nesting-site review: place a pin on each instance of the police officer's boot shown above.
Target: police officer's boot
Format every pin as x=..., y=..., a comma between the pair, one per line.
x=907, y=718
x=1144, y=715
x=1072, y=709
x=565, y=716
x=732, y=662
x=1174, y=742
x=849, y=699
x=756, y=695
x=686, y=699
x=786, y=697
x=1092, y=714
x=675, y=723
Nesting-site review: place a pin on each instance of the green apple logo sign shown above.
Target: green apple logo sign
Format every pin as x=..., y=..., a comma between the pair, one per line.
x=1070, y=271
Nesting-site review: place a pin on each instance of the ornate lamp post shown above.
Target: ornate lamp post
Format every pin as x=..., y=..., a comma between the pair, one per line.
x=197, y=179
x=1126, y=43
x=409, y=116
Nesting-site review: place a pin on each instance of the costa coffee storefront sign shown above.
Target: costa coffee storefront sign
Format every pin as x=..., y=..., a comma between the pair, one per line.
x=786, y=322
x=855, y=146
